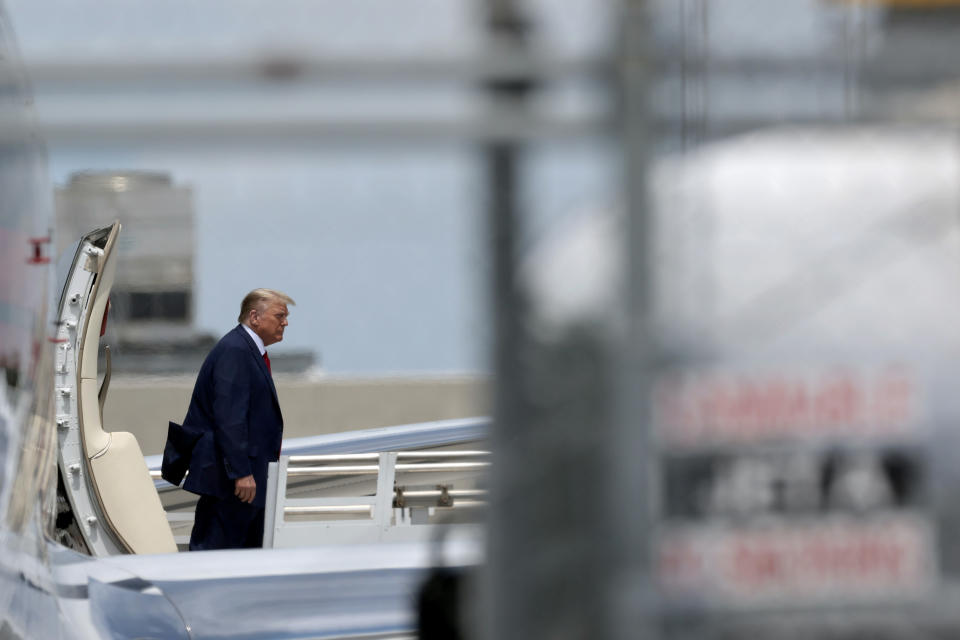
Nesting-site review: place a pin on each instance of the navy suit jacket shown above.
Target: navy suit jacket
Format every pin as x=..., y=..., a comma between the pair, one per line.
x=235, y=415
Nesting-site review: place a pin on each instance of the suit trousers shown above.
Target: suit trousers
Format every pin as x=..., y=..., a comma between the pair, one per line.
x=226, y=523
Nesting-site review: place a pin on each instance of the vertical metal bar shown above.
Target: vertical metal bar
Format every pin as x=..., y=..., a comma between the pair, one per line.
x=275, y=500
x=386, y=480
x=270, y=508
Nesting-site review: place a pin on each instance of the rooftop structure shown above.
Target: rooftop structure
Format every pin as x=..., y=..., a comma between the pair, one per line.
x=152, y=305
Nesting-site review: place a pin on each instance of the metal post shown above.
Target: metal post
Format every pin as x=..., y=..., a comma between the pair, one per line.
x=631, y=589
x=275, y=500
x=547, y=555
x=501, y=605
x=386, y=479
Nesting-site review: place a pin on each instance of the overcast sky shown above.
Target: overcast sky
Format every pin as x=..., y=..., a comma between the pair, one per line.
x=382, y=245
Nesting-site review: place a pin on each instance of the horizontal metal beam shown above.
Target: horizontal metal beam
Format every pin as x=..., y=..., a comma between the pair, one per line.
x=206, y=130
x=333, y=457
x=363, y=469
x=355, y=509
x=334, y=470
x=432, y=494
x=300, y=67
x=429, y=467
x=467, y=504
x=408, y=455
x=870, y=70
x=216, y=72
x=401, y=455
x=265, y=134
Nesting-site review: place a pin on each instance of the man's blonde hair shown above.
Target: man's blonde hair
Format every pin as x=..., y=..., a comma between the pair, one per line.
x=258, y=299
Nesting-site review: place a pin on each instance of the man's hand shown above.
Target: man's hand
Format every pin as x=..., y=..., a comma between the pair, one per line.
x=245, y=488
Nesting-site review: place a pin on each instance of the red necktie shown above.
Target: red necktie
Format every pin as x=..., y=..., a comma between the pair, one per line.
x=266, y=359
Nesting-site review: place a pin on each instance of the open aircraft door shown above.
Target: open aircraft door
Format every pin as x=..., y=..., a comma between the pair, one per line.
x=106, y=485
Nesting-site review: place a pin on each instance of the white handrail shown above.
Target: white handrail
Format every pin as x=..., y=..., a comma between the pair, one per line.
x=389, y=514
x=361, y=469
x=401, y=455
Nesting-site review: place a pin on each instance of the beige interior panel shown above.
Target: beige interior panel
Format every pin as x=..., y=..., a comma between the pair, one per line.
x=127, y=494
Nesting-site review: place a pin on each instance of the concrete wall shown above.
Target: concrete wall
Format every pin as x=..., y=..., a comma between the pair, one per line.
x=143, y=406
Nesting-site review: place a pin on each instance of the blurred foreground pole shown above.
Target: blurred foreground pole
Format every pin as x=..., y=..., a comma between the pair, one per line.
x=631, y=585
x=502, y=612
x=557, y=545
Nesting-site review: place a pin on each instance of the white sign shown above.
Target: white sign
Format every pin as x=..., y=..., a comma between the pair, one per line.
x=707, y=408
x=843, y=559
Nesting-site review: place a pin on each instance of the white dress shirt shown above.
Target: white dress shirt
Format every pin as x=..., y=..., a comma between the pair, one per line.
x=256, y=339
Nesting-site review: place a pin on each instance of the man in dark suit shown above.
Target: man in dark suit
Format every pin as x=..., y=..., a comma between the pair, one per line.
x=236, y=427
